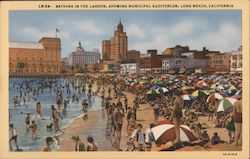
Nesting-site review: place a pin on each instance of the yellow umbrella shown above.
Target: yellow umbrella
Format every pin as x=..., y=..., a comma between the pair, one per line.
x=213, y=86
x=232, y=87
x=195, y=93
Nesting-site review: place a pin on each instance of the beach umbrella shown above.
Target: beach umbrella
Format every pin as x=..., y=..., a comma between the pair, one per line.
x=240, y=85
x=166, y=132
x=219, y=88
x=223, y=82
x=176, y=80
x=199, y=93
x=162, y=90
x=232, y=87
x=154, y=87
x=187, y=97
x=155, y=80
x=201, y=84
x=170, y=82
x=142, y=82
x=214, y=96
x=226, y=104
x=231, y=92
x=213, y=86
x=239, y=92
x=184, y=88
x=206, y=92
x=153, y=92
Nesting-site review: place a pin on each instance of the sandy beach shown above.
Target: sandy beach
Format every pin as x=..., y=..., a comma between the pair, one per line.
x=96, y=124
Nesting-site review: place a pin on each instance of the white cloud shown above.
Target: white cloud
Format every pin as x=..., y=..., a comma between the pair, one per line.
x=36, y=33
x=135, y=31
x=158, y=42
x=89, y=27
x=183, y=28
x=190, y=33
x=225, y=37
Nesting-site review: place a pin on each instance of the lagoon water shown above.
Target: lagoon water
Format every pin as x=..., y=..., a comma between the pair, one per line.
x=46, y=99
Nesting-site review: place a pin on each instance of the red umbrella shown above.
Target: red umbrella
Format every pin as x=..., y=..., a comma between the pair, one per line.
x=165, y=132
x=215, y=96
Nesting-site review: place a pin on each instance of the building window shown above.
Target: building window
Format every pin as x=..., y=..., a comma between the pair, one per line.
x=240, y=64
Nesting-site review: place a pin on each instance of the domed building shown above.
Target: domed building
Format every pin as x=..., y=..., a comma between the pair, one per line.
x=81, y=58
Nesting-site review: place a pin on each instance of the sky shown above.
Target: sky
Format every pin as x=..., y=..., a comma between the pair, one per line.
x=147, y=29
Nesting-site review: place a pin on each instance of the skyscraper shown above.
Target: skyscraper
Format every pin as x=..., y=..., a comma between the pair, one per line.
x=117, y=47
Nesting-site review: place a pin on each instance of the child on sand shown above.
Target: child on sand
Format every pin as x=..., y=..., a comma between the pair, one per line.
x=92, y=145
x=139, y=138
x=49, y=142
x=79, y=146
x=215, y=139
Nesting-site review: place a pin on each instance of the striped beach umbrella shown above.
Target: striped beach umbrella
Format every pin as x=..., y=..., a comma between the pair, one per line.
x=166, y=132
x=214, y=96
x=226, y=104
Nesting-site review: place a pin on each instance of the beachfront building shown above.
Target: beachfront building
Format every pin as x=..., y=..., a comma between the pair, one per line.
x=195, y=54
x=175, y=51
x=151, y=62
x=220, y=62
x=107, y=65
x=129, y=68
x=236, y=61
x=133, y=56
x=43, y=57
x=169, y=64
x=80, y=58
x=116, y=48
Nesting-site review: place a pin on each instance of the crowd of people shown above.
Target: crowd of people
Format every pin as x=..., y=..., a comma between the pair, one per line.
x=167, y=104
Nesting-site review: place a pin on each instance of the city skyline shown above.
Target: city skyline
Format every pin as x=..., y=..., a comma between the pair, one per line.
x=213, y=29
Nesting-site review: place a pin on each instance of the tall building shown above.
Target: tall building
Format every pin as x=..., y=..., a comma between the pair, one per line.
x=81, y=58
x=35, y=57
x=106, y=49
x=117, y=47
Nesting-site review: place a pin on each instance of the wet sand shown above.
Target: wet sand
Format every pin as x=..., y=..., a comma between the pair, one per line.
x=94, y=125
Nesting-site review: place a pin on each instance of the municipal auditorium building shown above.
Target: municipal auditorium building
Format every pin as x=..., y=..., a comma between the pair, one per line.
x=35, y=58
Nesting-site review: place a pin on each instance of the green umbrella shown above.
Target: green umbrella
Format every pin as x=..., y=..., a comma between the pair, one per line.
x=226, y=104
